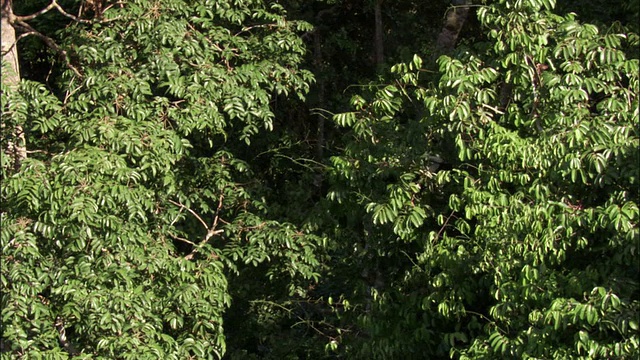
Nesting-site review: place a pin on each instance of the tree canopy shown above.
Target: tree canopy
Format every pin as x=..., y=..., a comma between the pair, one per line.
x=319, y=179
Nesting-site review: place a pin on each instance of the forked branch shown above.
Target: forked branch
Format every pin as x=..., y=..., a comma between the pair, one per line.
x=29, y=30
x=53, y=5
x=211, y=230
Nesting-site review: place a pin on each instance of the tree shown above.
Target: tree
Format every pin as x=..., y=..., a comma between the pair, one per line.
x=501, y=194
x=121, y=232
x=14, y=144
x=184, y=197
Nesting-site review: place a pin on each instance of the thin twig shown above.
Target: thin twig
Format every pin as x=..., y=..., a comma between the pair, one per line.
x=192, y=212
x=177, y=216
x=249, y=28
x=444, y=225
x=15, y=43
x=121, y=3
x=50, y=42
x=217, y=216
x=494, y=109
x=309, y=323
x=182, y=239
x=211, y=231
x=68, y=93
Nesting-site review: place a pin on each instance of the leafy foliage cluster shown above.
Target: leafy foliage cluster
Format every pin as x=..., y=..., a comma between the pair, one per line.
x=123, y=227
x=174, y=205
x=526, y=246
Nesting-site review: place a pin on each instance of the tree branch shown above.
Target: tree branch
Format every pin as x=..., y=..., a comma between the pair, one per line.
x=34, y=15
x=52, y=5
x=177, y=216
x=444, y=225
x=192, y=213
x=20, y=22
x=47, y=40
x=216, y=218
x=182, y=239
x=211, y=231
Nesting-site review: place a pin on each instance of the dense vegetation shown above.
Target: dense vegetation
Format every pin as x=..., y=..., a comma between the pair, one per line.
x=292, y=179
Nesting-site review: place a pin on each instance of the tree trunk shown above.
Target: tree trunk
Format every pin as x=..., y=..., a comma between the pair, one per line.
x=454, y=21
x=16, y=147
x=379, y=39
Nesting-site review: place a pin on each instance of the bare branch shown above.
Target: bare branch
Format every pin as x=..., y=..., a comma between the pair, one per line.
x=211, y=231
x=249, y=28
x=70, y=16
x=444, y=225
x=119, y=3
x=35, y=15
x=182, y=239
x=217, y=216
x=177, y=216
x=15, y=43
x=192, y=213
x=54, y=4
x=49, y=41
x=494, y=109
x=68, y=93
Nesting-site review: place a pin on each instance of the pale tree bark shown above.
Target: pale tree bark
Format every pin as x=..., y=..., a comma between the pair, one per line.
x=379, y=37
x=16, y=147
x=455, y=19
x=9, y=50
